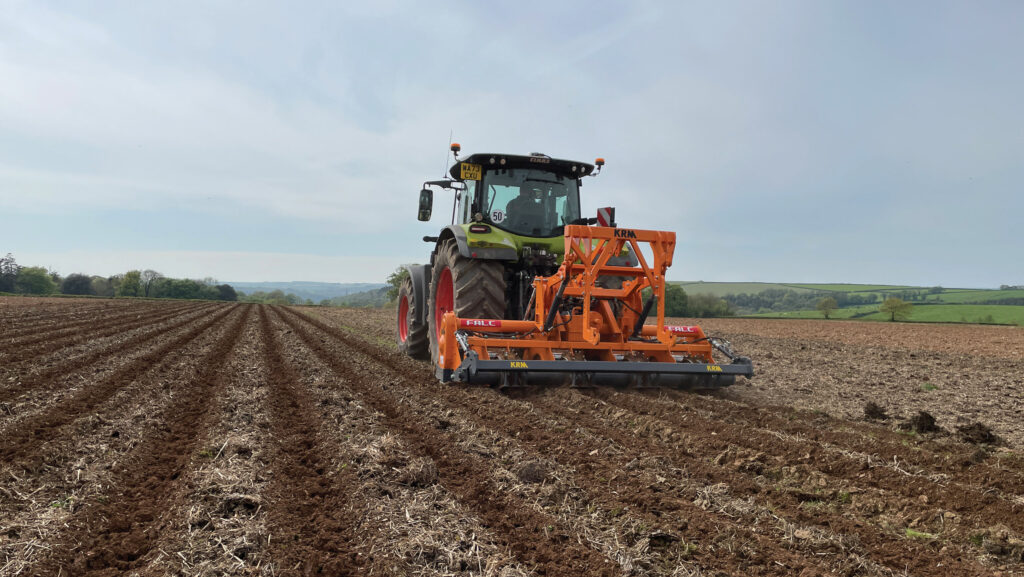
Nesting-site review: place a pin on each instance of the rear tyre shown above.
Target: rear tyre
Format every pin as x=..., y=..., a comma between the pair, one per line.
x=474, y=289
x=411, y=335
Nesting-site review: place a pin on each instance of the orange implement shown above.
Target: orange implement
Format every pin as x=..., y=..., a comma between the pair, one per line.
x=587, y=330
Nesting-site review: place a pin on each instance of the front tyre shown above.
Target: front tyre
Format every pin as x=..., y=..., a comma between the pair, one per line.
x=474, y=289
x=410, y=334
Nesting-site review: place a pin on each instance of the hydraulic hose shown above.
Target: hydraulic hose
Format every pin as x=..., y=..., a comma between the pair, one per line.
x=555, y=303
x=639, y=327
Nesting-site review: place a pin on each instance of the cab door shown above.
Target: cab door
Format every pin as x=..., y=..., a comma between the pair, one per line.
x=467, y=202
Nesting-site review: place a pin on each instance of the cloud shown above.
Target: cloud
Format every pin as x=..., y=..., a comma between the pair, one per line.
x=155, y=133
x=759, y=135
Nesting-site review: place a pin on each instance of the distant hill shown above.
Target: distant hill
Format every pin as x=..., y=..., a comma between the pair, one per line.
x=861, y=301
x=315, y=291
x=725, y=288
x=720, y=289
x=371, y=298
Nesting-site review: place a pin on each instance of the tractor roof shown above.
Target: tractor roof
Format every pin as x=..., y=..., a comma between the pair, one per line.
x=493, y=161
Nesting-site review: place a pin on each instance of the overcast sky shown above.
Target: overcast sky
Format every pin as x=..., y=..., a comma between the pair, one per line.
x=878, y=142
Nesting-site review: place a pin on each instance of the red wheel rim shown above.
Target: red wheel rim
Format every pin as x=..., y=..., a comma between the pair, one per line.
x=403, y=318
x=445, y=299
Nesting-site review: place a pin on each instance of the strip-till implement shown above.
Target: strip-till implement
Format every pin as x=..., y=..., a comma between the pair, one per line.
x=585, y=333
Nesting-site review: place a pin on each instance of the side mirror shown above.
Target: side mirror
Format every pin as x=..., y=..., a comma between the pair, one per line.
x=426, y=204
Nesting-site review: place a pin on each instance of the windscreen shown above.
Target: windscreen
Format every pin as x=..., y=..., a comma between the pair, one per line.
x=530, y=202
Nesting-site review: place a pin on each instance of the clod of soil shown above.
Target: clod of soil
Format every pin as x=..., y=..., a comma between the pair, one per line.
x=419, y=473
x=534, y=472
x=1000, y=541
x=976, y=434
x=662, y=539
x=921, y=423
x=873, y=412
x=239, y=504
x=979, y=455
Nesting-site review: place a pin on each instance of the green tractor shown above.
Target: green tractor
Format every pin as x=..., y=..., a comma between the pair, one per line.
x=508, y=217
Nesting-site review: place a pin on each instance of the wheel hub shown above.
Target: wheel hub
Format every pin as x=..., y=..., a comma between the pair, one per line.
x=445, y=299
x=403, y=318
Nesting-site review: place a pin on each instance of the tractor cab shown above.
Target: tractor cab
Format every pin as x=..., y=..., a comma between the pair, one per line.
x=532, y=196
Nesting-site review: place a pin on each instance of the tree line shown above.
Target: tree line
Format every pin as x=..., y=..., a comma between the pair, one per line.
x=365, y=299
x=274, y=297
x=780, y=300
x=895, y=307
x=36, y=280
x=699, y=305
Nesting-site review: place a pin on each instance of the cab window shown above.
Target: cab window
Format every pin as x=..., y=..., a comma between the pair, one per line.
x=529, y=202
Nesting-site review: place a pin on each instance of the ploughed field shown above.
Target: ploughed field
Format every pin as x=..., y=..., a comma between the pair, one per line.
x=166, y=438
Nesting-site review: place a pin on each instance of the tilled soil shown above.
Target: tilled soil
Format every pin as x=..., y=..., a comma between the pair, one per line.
x=959, y=374
x=162, y=438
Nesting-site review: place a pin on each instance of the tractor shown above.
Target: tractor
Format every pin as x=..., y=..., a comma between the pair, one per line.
x=522, y=289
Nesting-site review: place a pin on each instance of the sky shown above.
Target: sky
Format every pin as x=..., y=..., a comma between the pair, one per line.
x=866, y=142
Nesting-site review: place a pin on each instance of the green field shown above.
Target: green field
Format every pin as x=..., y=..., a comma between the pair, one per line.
x=725, y=288
x=846, y=313
x=952, y=313
x=951, y=295
x=973, y=296
x=952, y=305
x=852, y=288
x=997, y=314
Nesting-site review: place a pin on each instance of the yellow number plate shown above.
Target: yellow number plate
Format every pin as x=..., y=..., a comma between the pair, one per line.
x=471, y=171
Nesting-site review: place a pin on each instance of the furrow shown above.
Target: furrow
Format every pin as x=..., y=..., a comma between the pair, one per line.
x=958, y=461
x=307, y=490
x=118, y=532
x=833, y=461
x=408, y=522
x=217, y=519
x=52, y=313
x=886, y=546
x=526, y=532
x=28, y=336
x=128, y=343
x=747, y=547
x=637, y=545
x=38, y=494
x=707, y=458
x=23, y=437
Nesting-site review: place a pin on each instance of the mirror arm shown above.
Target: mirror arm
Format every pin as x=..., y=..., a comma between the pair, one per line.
x=448, y=184
x=456, y=185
